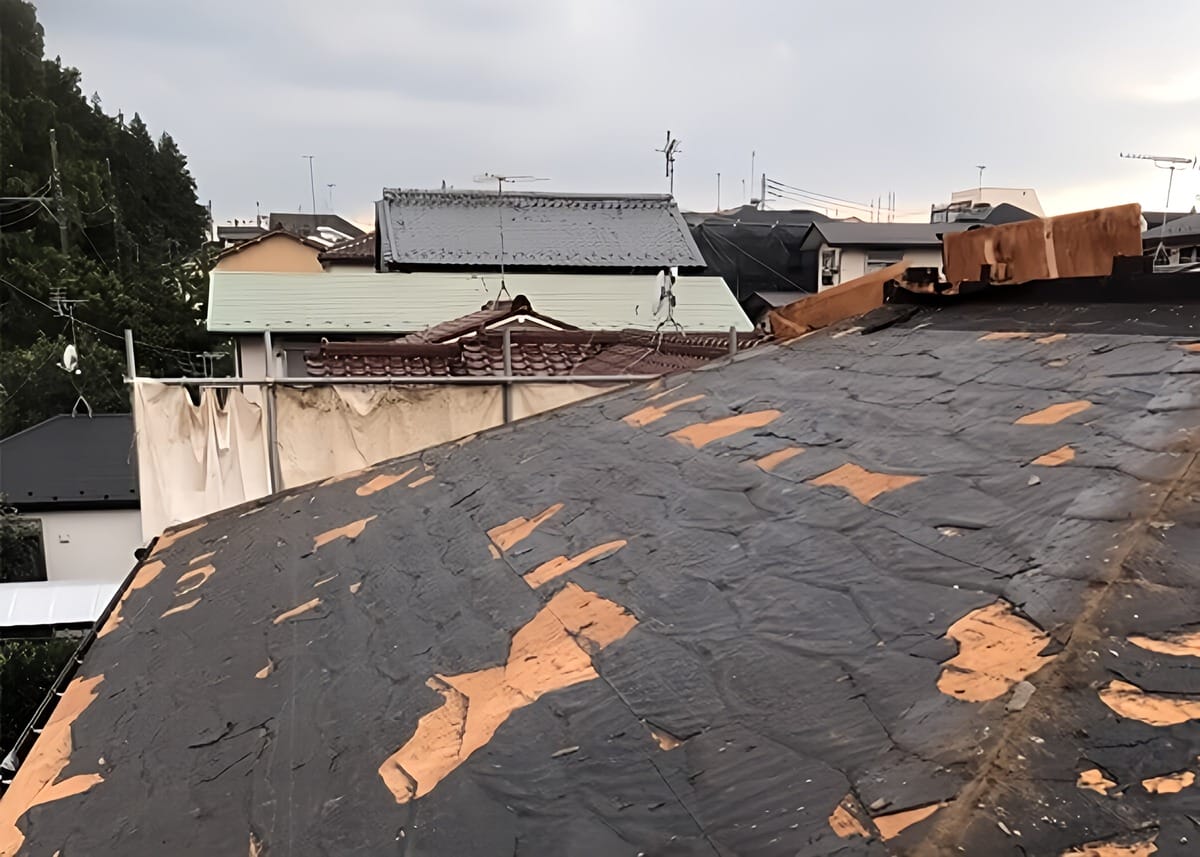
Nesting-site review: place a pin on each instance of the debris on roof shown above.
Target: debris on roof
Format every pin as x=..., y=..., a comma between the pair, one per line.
x=423, y=229
x=809, y=602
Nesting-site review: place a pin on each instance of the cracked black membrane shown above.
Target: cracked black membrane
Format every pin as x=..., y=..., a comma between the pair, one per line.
x=761, y=565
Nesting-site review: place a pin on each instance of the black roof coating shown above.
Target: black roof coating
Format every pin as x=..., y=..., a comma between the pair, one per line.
x=778, y=690
x=70, y=461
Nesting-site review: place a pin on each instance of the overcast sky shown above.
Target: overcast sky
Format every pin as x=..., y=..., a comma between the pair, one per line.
x=849, y=99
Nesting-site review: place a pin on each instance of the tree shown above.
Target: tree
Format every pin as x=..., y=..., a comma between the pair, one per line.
x=137, y=254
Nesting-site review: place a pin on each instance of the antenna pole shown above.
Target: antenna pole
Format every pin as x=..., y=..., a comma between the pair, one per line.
x=762, y=200
x=752, y=154
x=718, y=191
x=1170, y=179
x=312, y=187
x=500, y=211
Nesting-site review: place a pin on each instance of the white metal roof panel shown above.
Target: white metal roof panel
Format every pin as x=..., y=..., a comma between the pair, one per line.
x=54, y=602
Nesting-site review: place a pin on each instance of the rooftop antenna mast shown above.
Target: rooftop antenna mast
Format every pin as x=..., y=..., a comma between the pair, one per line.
x=312, y=187
x=488, y=178
x=981, y=168
x=669, y=150
x=1170, y=163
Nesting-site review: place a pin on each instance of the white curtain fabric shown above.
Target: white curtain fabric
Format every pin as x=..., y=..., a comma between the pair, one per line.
x=196, y=459
x=531, y=399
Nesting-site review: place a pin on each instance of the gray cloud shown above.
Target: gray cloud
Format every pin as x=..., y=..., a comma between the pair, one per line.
x=852, y=99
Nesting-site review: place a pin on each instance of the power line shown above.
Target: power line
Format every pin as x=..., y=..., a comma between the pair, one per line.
x=824, y=203
x=814, y=193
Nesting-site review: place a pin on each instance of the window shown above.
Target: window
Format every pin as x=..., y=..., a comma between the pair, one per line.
x=22, y=552
x=879, y=259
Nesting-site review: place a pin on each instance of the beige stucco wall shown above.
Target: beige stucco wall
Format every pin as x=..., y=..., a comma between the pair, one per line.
x=94, y=545
x=277, y=254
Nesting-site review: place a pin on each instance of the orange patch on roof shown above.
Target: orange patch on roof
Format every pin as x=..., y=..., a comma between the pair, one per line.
x=665, y=740
x=267, y=670
x=384, y=480
x=862, y=484
x=494, y=551
x=1094, y=780
x=1054, y=414
x=203, y=573
x=168, y=539
x=180, y=608
x=349, y=474
x=1054, y=337
x=1059, y=456
x=518, y=529
x=845, y=821
x=996, y=649
x=701, y=435
x=1140, y=848
x=419, y=482
x=560, y=565
x=354, y=587
x=256, y=848
x=1189, y=346
x=36, y=781
x=653, y=413
x=201, y=557
x=1005, y=334
x=296, y=611
x=1169, y=784
x=325, y=580
x=1185, y=645
x=1130, y=701
x=144, y=577
x=773, y=459
x=546, y=654
x=350, y=531
x=893, y=824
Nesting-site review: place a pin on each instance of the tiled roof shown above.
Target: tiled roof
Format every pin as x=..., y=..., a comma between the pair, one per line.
x=533, y=353
x=360, y=249
x=420, y=228
x=519, y=308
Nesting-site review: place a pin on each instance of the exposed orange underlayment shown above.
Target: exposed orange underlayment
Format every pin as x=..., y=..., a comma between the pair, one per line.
x=350, y=531
x=325, y=580
x=518, y=529
x=654, y=413
x=384, y=480
x=296, y=611
x=144, y=577
x=701, y=435
x=256, y=848
x=167, y=539
x=349, y=474
x=549, y=653
x=494, y=551
x=201, y=557
x=665, y=740
x=996, y=649
x=1054, y=414
x=1053, y=459
x=845, y=820
x=267, y=670
x=893, y=824
x=1054, y=337
x=773, y=459
x=36, y=781
x=1007, y=334
x=180, y=608
x=203, y=573
x=862, y=484
x=1130, y=701
x=417, y=483
x=1189, y=346
x=560, y=565
x=1169, y=784
x=354, y=587
x=1142, y=848
x=1094, y=780
x=1183, y=644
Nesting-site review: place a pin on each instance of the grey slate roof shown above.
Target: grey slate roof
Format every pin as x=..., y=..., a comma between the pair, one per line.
x=307, y=224
x=1180, y=227
x=851, y=234
x=70, y=461
x=420, y=228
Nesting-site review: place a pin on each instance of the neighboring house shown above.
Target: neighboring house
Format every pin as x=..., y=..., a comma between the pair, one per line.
x=235, y=233
x=847, y=251
x=1175, y=243
x=275, y=251
x=329, y=228
x=1158, y=218
x=455, y=230
x=353, y=254
x=968, y=203
x=72, y=480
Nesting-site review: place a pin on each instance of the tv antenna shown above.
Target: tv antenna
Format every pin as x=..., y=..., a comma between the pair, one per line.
x=1165, y=162
x=488, y=178
x=669, y=150
x=665, y=286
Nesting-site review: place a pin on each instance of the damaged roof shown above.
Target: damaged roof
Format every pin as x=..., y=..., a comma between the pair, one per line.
x=441, y=228
x=927, y=591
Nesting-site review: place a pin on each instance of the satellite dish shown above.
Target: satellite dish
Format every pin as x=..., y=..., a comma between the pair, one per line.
x=664, y=287
x=70, y=360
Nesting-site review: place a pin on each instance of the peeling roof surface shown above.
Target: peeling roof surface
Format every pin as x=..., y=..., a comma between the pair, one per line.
x=419, y=228
x=849, y=595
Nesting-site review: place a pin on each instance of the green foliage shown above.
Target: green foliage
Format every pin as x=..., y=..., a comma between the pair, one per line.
x=136, y=257
x=28, y=669
x=22, y=555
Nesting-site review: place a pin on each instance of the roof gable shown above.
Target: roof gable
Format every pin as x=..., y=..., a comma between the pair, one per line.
x=455, y=228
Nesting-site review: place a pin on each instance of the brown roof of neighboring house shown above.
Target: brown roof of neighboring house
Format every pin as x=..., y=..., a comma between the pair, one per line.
x=360, y=249
x=274, y=233
x=490, y=315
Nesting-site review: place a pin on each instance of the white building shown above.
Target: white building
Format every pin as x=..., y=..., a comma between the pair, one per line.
x=846, y=250
x=978, y=203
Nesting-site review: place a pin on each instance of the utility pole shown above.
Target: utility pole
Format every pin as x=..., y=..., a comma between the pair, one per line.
x=762, y=200
x=981, y=168
x=312, y=186
x=718, y=191
x=61, y=214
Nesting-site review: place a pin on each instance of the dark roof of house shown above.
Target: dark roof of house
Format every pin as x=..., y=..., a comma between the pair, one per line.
x=910, y=592
x=303, y=224
x=1157, y=218
x=455, y=228
x=840, y=233
x=360, y=249
x=258, y=239
x=70, y=462
x=994, y=215
x=1179, y=227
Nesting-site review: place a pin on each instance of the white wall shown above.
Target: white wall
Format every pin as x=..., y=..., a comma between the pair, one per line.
x=854, y=262
x=96, y=544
